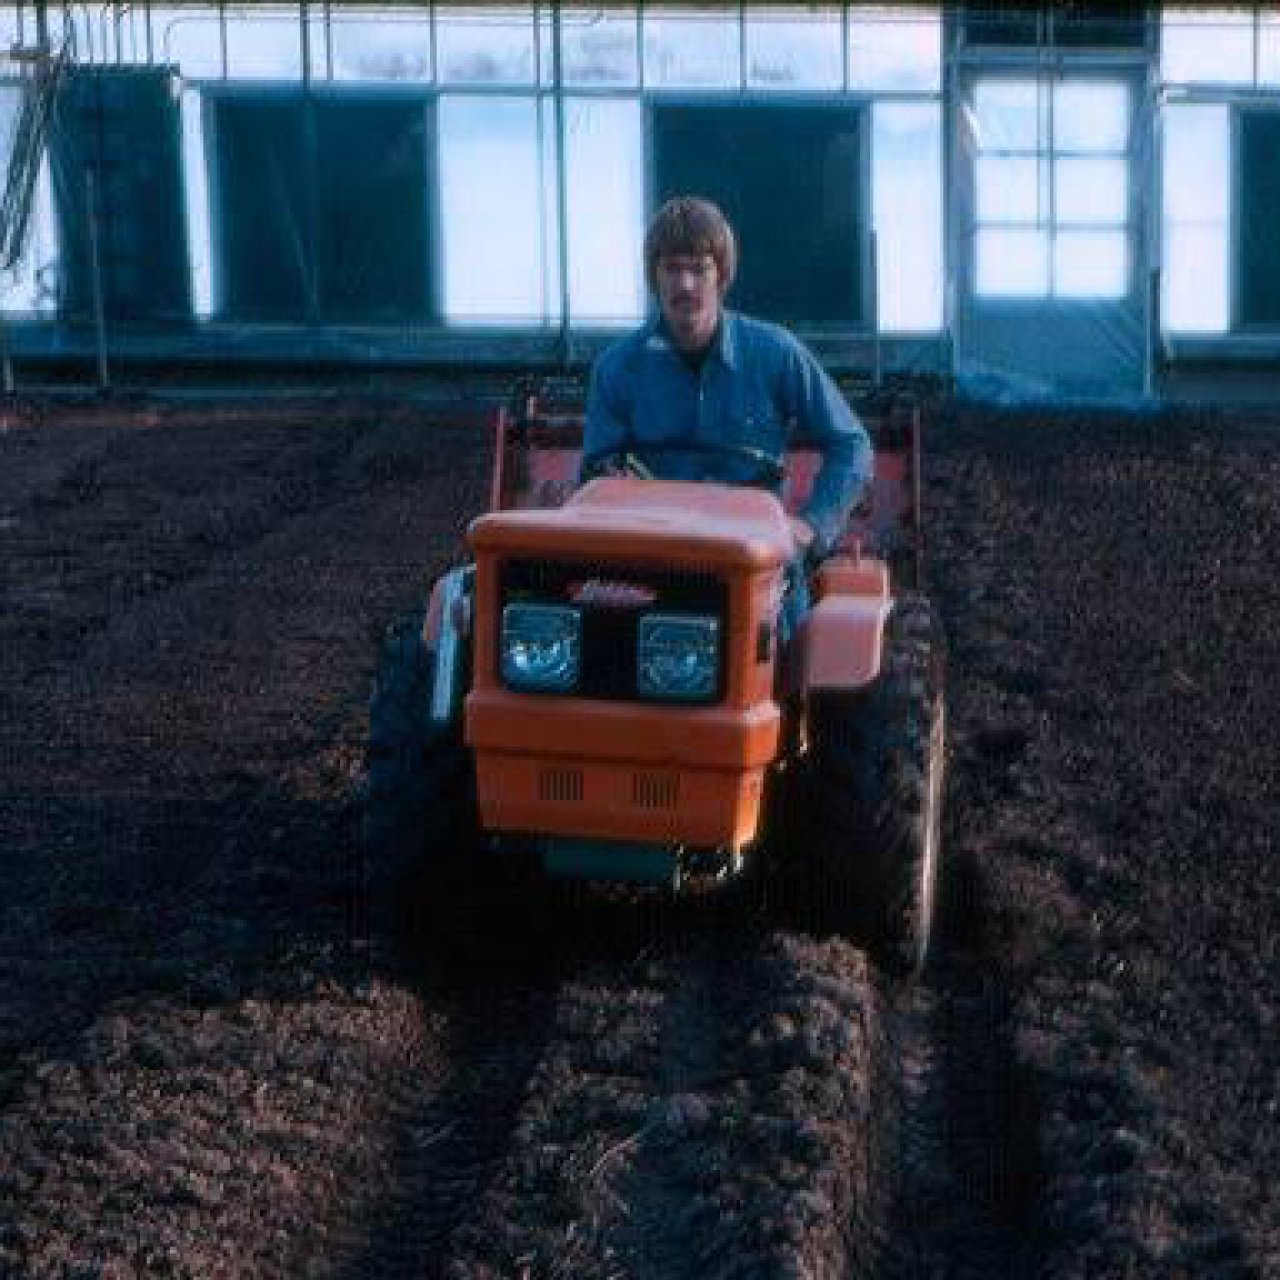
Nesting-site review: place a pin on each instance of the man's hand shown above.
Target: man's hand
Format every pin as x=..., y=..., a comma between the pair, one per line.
x=801, y=535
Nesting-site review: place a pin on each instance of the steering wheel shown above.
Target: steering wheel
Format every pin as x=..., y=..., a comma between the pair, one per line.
x=629, y=459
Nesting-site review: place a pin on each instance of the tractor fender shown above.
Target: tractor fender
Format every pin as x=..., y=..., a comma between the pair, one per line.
x=446, y=632
x=842, y=642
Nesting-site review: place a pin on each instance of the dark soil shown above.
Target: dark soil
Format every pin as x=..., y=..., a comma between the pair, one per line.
x=201, y=1076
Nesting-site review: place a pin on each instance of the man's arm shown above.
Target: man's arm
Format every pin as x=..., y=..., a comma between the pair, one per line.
x=824, y=417
x=608, y=416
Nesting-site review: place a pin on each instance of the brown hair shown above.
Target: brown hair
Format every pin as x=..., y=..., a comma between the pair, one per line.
x=689, y=224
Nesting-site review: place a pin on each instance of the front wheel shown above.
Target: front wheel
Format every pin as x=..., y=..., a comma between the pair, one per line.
x=418, y=803
x=877, y=764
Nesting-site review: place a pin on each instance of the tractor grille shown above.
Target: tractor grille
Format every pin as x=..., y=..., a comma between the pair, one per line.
x=560, y=786
x=655, y=790
x=609, y=630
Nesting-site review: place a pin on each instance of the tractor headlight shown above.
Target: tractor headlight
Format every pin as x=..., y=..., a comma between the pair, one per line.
x=679, y=657
x=541, y=647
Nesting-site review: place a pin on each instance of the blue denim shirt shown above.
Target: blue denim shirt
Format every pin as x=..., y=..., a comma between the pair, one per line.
x=757, y=386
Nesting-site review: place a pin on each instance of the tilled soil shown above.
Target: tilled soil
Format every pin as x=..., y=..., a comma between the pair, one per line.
x=201, y=1076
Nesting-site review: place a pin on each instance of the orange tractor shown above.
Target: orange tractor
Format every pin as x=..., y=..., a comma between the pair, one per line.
x=610, y=689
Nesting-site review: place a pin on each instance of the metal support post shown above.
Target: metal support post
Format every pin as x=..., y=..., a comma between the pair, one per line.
x=95, y=262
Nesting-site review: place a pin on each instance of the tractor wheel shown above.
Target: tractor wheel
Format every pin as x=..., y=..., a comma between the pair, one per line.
x=418, y=806
x=877, y=761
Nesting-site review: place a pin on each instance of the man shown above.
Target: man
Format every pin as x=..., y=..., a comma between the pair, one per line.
x=718, y=392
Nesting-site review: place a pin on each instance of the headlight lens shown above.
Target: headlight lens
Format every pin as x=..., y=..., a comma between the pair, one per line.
x=541, y=647
x=678, y=657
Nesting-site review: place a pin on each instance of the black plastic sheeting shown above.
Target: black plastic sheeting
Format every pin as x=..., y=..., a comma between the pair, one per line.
x=1259, y=277
x=319, y=209
x=115, y=132
x=790, y=179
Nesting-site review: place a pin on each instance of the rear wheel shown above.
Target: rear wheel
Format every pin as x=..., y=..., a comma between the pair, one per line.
x=877, y=765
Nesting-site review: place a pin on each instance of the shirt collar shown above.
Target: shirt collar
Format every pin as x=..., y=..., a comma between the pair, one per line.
x=725, y=344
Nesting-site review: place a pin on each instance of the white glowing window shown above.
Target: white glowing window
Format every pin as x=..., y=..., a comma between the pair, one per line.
x=895, y=47
x=30, y=285
x=1090, y=116
x=599, y=45
x=606, y=210
x=689, y=50
x=188, y=37
x=1090, y=264
x=1012, y=189
x=1012, y=263
x=1209, y=46
x=1196, y=187
x=10, y=28
x=485, y=46
x=264, y=42
x=196, y=194
x=1050, y=165
x=1195, y=294
x=1091, y=190
x=1009, y=115
x=392, y=46
x=496, y=210
x=1269, y=51
x=907, y=215
x=794, y=48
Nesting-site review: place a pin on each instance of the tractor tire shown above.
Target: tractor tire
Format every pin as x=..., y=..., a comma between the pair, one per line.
x=877, y=762
x=418, y=803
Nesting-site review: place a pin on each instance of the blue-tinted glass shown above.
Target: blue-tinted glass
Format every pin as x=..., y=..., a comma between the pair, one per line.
x=1090, y=264
x=1012, y=263
x=1011, y=189
x=794, y=49
x=1090, y=116
x=907, y=195
x=606, y=210
x=1091, y=189
x=485, y=46
x=684, y=50
x=1212, y=46
x=895, y=47
x=490, y=188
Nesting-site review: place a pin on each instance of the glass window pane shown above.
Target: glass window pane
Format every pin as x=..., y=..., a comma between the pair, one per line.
x=1197, y=163
x=1194, y=281
x=685, y=50
x=10, y=28
x=31, y=286
x=491, y=197
x=196, y=193
x=1213, y=46
x=1090, y=264
x=387, y=46
x=605, y=190
x=895, y=47
x=1269, y=51
x=599, y=46
x=316, y=43
x=1090, y=116
x=11, y=94
x=1011, y=189
x=189, y=38
x=906, y=185
x=490, y=46
x=263, y=44
x=1091, y=189
x=794, y=49
x=1010, y=115
x=1012, y=263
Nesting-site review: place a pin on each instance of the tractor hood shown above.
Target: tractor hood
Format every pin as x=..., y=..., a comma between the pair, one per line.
x=628, y=519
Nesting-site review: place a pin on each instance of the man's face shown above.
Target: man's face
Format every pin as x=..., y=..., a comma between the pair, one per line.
x=689, y=294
